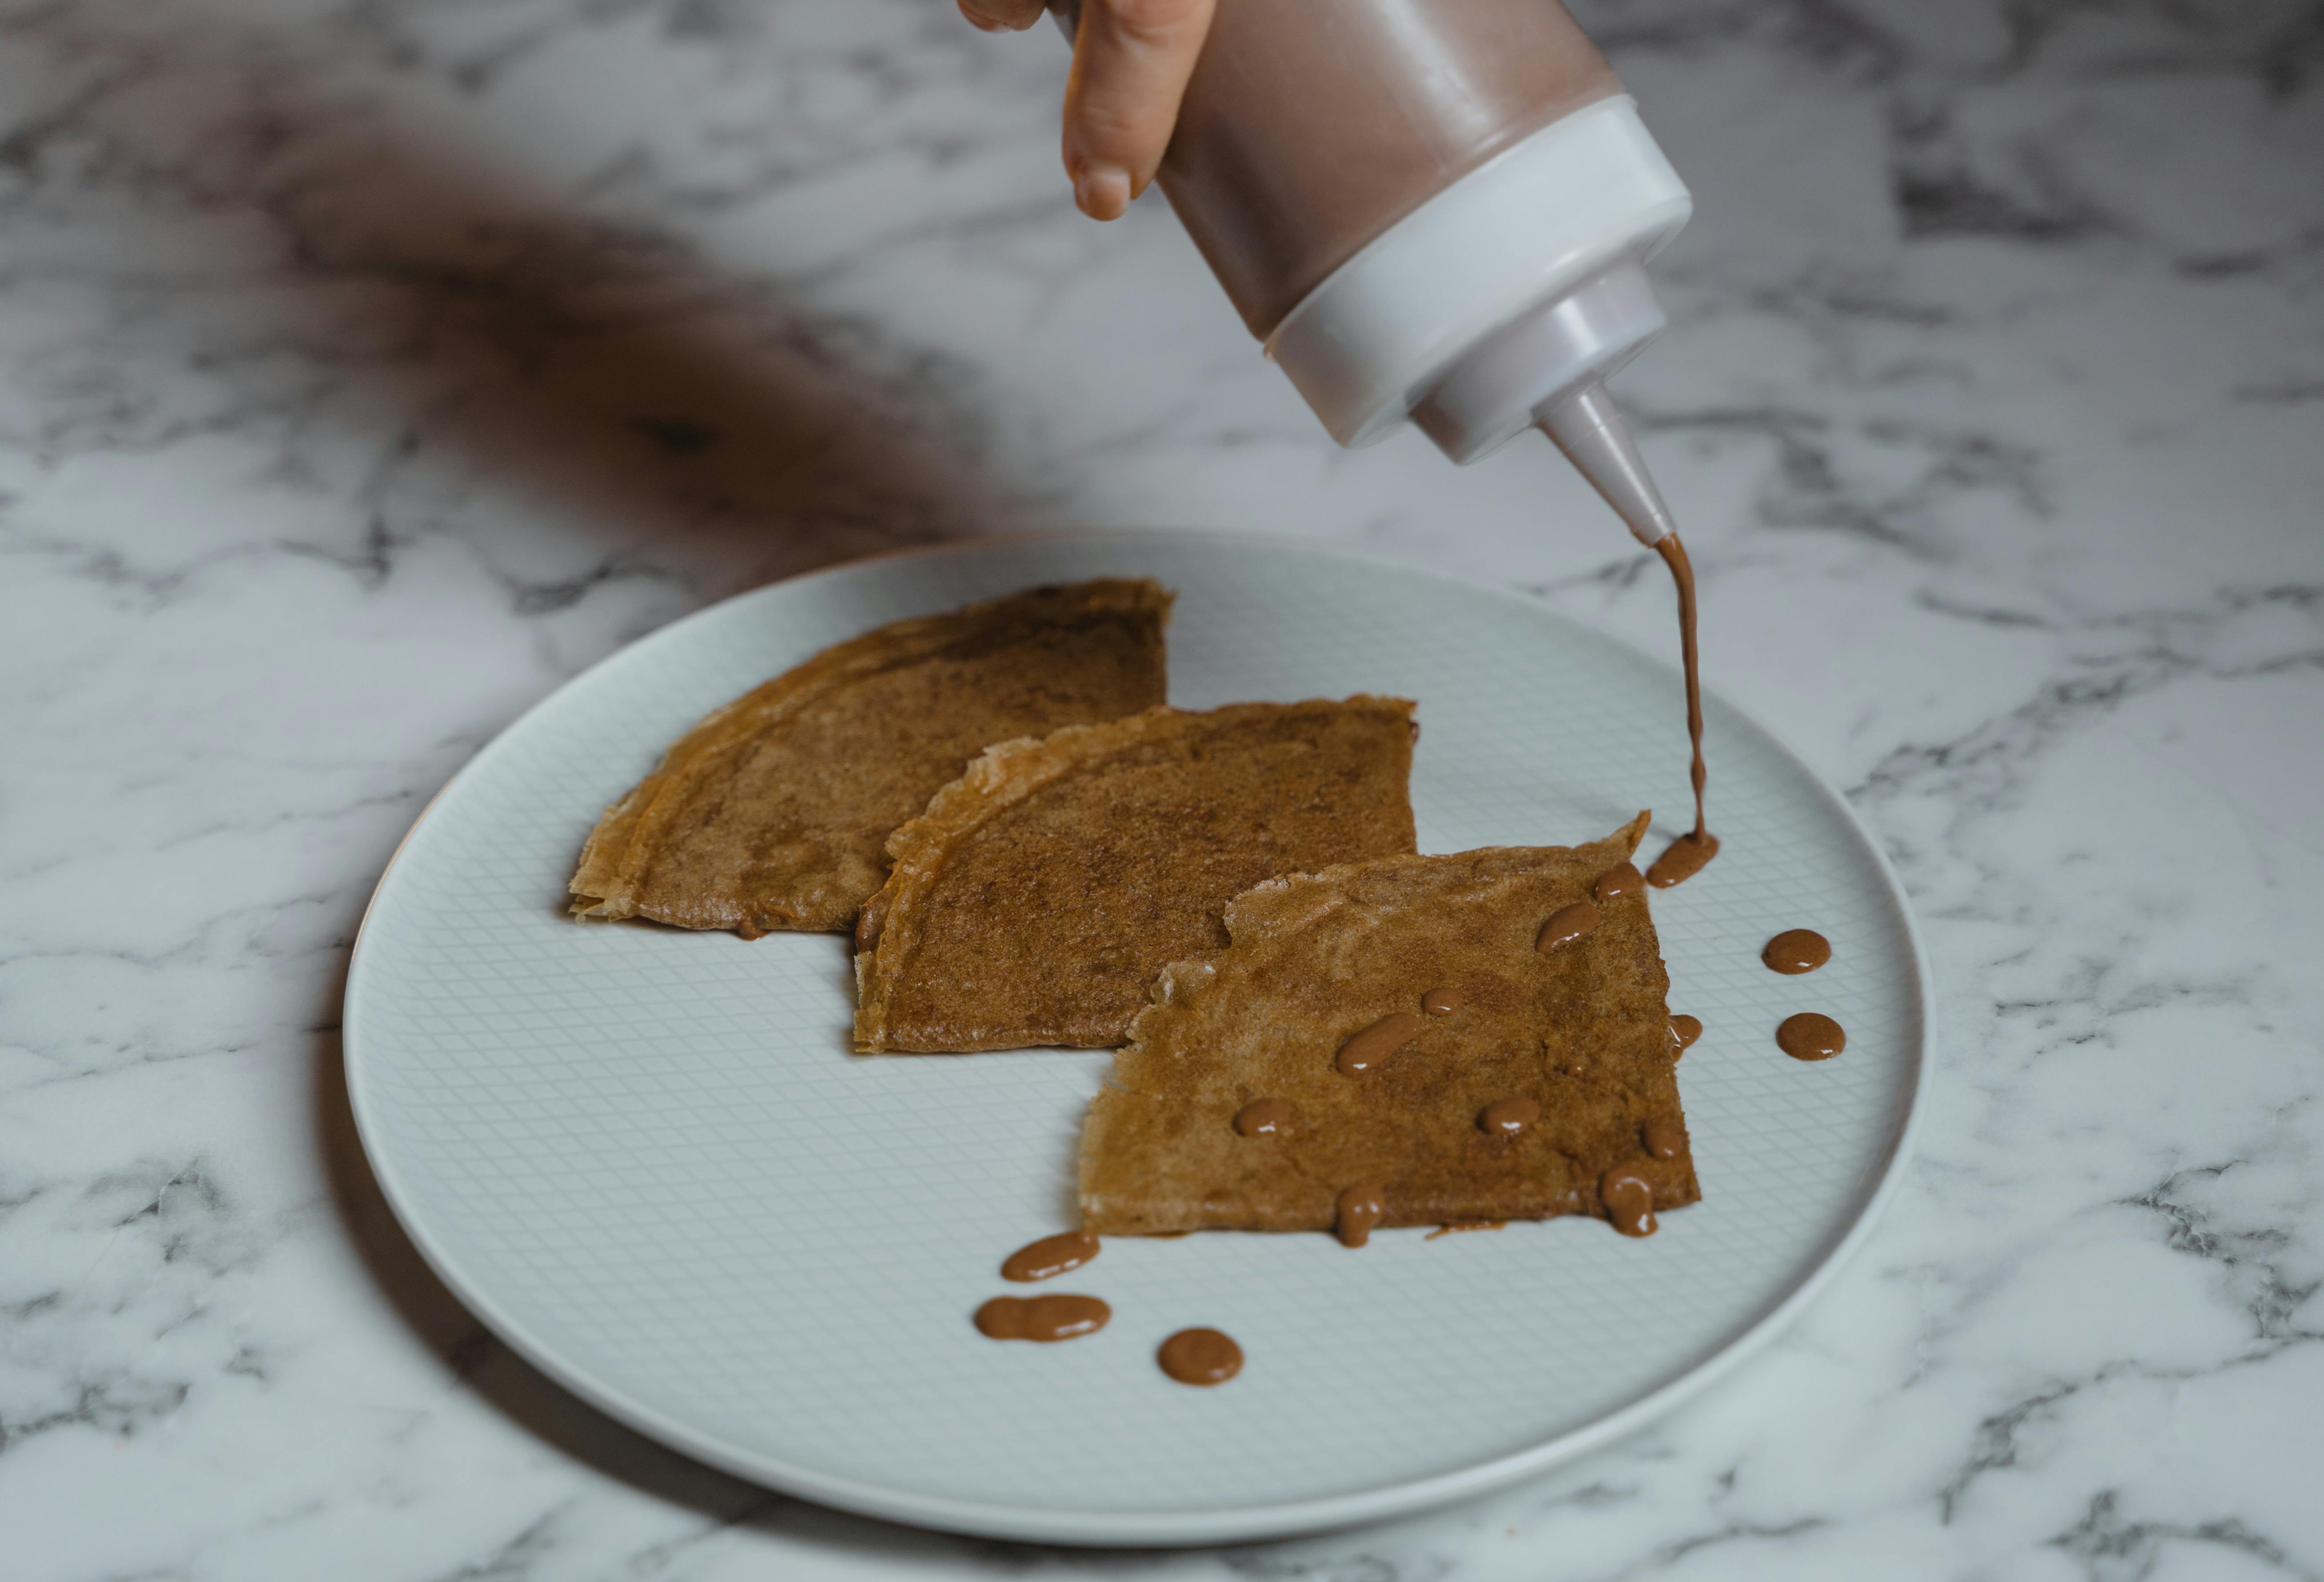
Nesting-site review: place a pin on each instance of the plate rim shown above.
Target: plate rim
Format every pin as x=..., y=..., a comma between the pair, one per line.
x=1148, y=1529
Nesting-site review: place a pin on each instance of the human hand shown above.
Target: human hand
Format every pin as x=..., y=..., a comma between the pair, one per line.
x=1131, y=59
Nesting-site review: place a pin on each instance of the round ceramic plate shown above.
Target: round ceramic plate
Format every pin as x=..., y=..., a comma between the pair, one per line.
x=647, y=1160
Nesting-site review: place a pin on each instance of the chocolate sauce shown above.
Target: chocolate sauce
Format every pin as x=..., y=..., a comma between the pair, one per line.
x=1811, y=1036
x=1041, y=1318
x=1507, y=1117
x=1565, y=925
x=1376, y=1042
x=1359, y=1209
x=1630, y=1199
x=1684, y=857
x=1796, y=950
x=1050, y=1256
x=1440, y=1002
x=1681, y=859
x=1685, y=1030
x=1664, y=1139
x=1454, y=1226
x=1200, y=1357
x=1619, y=880
x=1263, y=1117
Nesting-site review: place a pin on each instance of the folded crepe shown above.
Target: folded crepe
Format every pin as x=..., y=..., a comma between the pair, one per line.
x=775, y=810
x=1039, y=894
x=1579, y=1030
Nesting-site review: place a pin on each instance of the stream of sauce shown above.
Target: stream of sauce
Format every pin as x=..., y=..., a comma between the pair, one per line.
x=1685, y=857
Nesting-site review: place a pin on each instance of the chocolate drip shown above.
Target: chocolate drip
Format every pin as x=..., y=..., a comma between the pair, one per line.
x=1200, y=1357
x=1619, y=880
x=1376, y=1042
x=1360, y=1208
x=1565, y=925
x=1796, y=950
x=1041, y=1318
x=1508, y=1117
x=1630, y=1199
x=1263, y=1117
x=1050, y=1256
x=1811, y=1036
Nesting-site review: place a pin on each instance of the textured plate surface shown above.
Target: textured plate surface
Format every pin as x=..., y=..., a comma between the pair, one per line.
x=647, y=1160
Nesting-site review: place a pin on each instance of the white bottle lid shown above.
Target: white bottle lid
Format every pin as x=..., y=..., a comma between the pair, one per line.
x=1502, y=303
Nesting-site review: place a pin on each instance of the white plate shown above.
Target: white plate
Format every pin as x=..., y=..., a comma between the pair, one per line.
x=646, y=1158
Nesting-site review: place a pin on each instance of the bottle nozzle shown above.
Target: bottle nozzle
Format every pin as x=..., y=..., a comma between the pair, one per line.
x=1585, y=424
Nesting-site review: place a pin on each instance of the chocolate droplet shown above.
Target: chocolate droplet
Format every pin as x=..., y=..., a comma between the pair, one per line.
x=1360, y=1208
x=1263, y=1117
x=1376, y=1042
x=1200, y=1357
x=1507, y=1117
x=1049, y=1256
x=1041, y=1318
x=1681, y=859
x=1619, y=880
x=1684, y=1031
x=1440, y=1002
x=1630, y=1199
x=1796, y=950
x=1565, y=925
x=1664, y=1139
x=1811, y=1036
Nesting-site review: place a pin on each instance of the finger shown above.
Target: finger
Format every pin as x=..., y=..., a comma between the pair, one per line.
x=1001, y=15
x=1131, y=59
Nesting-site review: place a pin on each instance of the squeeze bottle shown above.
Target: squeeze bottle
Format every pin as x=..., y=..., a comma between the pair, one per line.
x=1431, y=210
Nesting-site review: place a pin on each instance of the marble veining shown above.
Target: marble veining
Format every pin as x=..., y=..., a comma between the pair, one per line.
x=371, y=366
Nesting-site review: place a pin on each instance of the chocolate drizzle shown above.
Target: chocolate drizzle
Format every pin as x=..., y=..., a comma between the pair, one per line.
x=1684, y=1031
x=1440, y=1002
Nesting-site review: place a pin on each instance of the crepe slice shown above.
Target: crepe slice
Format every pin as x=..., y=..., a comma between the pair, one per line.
x=775, y=810
x=1581, y=1031
x=1039, y=894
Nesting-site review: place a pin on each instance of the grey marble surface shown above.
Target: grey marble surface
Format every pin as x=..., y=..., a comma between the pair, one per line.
x=367, y=367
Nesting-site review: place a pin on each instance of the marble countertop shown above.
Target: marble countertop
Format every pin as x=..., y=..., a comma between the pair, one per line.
x=371, y=366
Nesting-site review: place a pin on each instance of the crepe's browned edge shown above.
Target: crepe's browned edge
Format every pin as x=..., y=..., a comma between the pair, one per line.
x=605, y=881
x=889, y=933
x=1315, y=958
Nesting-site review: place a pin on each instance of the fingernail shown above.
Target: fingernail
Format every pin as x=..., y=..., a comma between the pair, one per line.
x=1103, y=191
